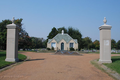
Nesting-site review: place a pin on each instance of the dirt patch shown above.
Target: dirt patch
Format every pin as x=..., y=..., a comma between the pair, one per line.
x=44, y=66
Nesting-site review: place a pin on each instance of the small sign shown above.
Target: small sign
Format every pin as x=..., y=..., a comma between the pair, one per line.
x=106, y=42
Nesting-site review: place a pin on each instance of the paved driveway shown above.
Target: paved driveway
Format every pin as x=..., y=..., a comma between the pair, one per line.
x=44, y=66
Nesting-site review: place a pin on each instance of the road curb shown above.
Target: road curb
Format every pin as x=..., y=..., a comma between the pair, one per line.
x=14, y=64
x=108, y=70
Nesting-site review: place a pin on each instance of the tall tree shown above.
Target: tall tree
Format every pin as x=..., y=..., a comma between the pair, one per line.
x=96, y=44
x=24, y=39
x=118, y=45
x=3, y=33
x=53, y=33
x=62, y=28
x=23, y=35
x=76, y=34
x=113, y=44
x=44, y=43
x=87, y=42
x=38, y=42
x=92, y=46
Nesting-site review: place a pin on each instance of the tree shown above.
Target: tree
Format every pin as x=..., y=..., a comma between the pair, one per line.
x=24, y=41
x=23, y=35
x=44, y=43
x=87, y=42
x=62, y=28
x=75, y=34
x=118, y=45
x=3, y=33
x=38, y=42
x=92, y=46
x=96, y=44
x=113, y=44
x=53, y=33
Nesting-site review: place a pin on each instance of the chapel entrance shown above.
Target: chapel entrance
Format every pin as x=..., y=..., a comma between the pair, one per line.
x=62, y=46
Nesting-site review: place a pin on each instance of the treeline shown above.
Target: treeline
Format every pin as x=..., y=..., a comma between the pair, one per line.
x=83, y=43
x=88, y=44
x=115, y=45
x=24, y=41
x=27, y=42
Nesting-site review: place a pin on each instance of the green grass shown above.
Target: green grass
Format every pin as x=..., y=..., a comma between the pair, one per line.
x=115, y=65
x=26, y=51
x=115, y=53
x=94, y=52
x=44, y=51
x=4, y=63
x=95, y=63
x=97, y=52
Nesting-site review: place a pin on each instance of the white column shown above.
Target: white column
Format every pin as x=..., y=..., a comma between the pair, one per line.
x=12, y=42
x=105, y=43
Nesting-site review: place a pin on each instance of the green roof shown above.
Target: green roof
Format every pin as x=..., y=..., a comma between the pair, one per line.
x=59, y=37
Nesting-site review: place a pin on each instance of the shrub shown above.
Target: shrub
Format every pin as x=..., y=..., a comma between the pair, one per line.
x=48, y=48
x=72, y=49
x=76, y=49
x=52, y=48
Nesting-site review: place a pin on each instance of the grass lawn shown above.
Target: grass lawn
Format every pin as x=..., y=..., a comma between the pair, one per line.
x=49, y=51
x=115, y=65
x=26, y=51
x=98, y=52
x=115, y=53
x=3, y=63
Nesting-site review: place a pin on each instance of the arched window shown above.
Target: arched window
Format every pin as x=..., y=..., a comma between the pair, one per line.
x=53, y=44
x=71, y=45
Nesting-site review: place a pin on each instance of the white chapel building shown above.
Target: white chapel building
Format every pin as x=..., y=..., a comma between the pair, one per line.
x=62, y=42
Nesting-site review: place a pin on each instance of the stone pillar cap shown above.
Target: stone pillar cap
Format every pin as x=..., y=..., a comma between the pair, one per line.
x=62, y=32
x=12, y=26
x=105, y=26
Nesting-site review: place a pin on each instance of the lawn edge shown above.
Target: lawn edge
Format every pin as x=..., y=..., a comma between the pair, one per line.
x=13, y=64
x=105, y=69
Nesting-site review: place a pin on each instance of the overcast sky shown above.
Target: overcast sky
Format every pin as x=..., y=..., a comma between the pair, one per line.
x=40, y=16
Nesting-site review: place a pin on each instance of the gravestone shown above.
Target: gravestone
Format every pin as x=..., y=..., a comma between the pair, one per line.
x=105, y=43
x=12, y=42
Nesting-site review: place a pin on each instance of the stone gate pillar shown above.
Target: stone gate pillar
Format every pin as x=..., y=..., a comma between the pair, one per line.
x=105, y=43
x=12, y=42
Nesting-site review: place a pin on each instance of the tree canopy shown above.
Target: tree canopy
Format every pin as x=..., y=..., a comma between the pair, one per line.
x=24, y=40
x=96, y=44
x=118, y=45
x=87, y=42
x=27, y=42
x=76, y=34
x=62, y=28
x=113, y=44
x=53, y=33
